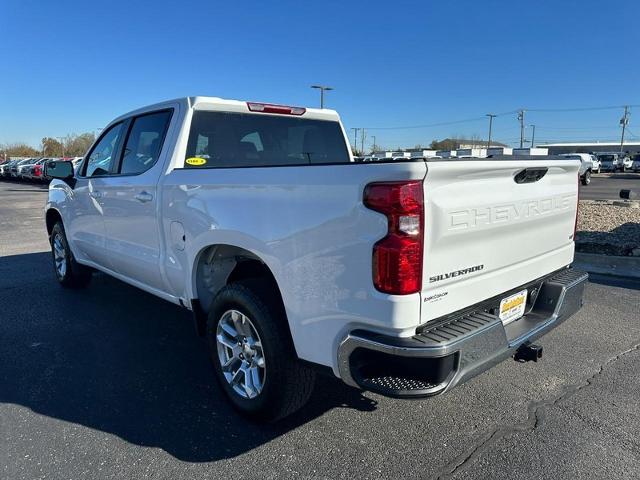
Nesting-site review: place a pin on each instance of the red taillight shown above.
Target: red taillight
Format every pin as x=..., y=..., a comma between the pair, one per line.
x=397, y=258
x=271, y=108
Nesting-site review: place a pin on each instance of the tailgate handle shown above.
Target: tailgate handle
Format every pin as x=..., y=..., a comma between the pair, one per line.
x=530, y=175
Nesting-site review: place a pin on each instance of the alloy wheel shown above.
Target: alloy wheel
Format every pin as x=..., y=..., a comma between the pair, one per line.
x=240, y=354
x=59, y=256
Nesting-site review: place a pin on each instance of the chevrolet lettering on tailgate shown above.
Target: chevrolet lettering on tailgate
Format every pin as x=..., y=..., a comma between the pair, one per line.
x=506, y=213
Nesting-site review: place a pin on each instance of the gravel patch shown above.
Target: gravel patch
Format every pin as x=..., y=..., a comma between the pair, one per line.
x=608, y=229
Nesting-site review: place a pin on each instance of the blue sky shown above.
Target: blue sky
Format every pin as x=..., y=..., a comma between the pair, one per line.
x=72, y=66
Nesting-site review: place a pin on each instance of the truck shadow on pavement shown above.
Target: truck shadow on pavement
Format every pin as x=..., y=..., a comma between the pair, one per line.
x=115, y=359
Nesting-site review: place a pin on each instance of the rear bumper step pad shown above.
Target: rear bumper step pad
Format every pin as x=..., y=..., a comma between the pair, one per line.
x=451, y=350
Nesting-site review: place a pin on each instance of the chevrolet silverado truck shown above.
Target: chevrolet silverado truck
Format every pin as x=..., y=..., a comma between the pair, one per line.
x=403, y=277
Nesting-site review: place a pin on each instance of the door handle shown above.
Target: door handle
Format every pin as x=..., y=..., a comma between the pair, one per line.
x=95, y=194
x=144, y=197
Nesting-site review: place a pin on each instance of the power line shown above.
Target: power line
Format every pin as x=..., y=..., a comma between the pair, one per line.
x=520, y=116
x=510, y=112
x=546, y=127
x=579, y=109
x=439, y=124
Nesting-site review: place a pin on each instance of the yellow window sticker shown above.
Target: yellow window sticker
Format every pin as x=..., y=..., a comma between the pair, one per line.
x=197, y=161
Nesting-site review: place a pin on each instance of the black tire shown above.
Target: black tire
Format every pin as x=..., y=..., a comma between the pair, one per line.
x=287, y=383
x=586, y=178
x=74, y=274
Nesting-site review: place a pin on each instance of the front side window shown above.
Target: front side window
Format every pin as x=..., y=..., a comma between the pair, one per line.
x=220, y=139
x=144, y=142
x=100, y=159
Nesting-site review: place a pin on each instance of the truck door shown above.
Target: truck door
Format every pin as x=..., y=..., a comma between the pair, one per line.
x=85, y=227
x=132, y=228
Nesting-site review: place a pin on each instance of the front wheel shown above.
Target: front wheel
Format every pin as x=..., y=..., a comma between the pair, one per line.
x=252, y=355
x=586, y=178
x=69, y=273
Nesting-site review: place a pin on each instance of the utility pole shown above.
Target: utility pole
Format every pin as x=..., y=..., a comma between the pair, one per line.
x=533, y=136
x=364, y=135
x=322, y=89
x=491, y=117
x=355, y=138
x=521, y=119
x=373, y=148
x=624, y=121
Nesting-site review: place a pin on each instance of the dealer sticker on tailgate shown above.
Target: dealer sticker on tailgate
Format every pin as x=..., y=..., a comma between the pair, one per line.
x=512, y=307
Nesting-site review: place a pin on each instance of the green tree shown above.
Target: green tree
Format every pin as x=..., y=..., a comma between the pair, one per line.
x=51, y=147
x=18, y=149
x=446, y=144
x=77, y=145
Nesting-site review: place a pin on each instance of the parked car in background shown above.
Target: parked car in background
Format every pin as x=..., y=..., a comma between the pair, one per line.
x=27, y=170
x=635, y=165
x=586, y=165
x=23, y=171
x=627, y=162
x=37, y=170
x=13, y=169
x=596, y=163
x=609, y=162
x=4, y=168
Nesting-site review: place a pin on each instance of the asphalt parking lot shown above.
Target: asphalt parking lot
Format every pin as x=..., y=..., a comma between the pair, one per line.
x=607, y=186
x=111, y=382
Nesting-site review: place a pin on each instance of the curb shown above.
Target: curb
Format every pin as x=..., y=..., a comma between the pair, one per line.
x=608, y=264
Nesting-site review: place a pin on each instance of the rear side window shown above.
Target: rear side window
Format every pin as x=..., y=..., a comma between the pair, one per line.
x=220, y=139
x=144, y=142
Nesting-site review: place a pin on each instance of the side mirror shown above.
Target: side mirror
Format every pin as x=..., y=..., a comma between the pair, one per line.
x=59, y=169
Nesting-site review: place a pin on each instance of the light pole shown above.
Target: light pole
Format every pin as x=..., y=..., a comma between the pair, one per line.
x=355, y=138
x=533, y=135
x=322, y=89
x=491, y=117
x=373, y=148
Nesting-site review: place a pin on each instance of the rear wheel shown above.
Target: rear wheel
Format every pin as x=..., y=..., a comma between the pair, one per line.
x=586, y=178
x=69, y=273
x=252, y=354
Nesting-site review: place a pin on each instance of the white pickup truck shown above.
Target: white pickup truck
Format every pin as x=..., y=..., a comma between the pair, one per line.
x=400, y=277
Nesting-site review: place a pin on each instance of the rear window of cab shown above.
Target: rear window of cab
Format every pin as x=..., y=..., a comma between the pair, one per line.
x=228, y=140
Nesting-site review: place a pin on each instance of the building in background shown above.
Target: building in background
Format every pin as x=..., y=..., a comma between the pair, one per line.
x=531, y=151
x=590, y=147
x=500, y=151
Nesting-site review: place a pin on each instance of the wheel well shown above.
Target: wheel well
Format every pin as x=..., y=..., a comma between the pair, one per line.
x=221, y=265
x=52, y=217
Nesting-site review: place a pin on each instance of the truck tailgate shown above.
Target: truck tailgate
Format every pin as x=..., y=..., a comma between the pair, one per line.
x=486, y=234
